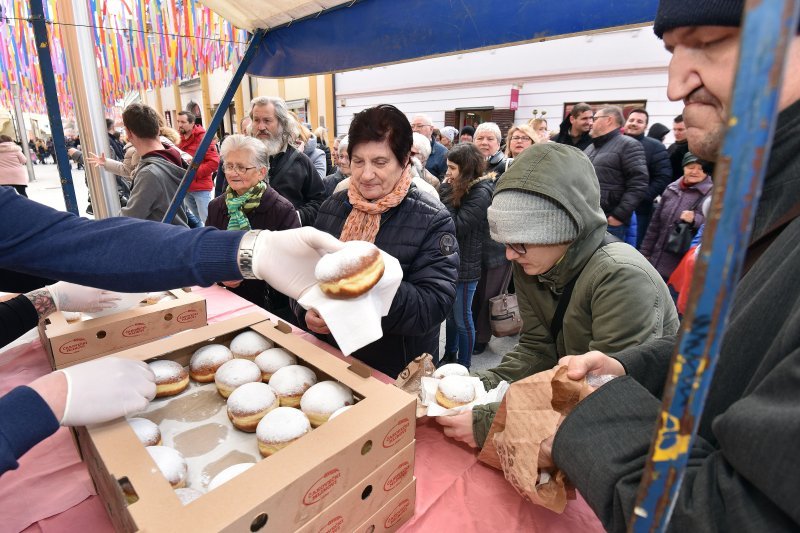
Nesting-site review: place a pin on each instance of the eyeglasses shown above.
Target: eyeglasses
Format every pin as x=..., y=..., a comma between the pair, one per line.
x=239, y=169
x=418, y=126
x=521, y=138
x=518, y=248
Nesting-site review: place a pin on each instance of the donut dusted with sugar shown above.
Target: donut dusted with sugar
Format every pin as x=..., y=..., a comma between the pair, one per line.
x=146, y=431
x=351, y=271
x=228, y=474
x=187, y=495
x=338, y=412
x=452, y=369
x=279, y=428
x=272, y=360
x=206, y=361
x=171, y=464
x=234, y=374
x=248, y=404
x=322, y=399
x=455, y=391
x=248, y=344
x=290, y=382
x=171, y=377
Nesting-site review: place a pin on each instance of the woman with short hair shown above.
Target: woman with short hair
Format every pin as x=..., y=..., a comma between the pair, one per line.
x=519, y=138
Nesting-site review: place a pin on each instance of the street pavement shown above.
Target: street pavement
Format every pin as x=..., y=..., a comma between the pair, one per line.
x=46, y=189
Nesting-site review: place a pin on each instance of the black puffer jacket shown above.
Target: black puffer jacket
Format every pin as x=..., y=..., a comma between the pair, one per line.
x=420, y=233
x=622, y=172
x=659, y=167
x=472, y=226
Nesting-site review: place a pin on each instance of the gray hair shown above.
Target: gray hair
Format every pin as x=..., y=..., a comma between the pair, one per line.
x=343, y=142
x=423, y=144
x=256, y=149
x=424, y=117
x=614, y=112
x=490, y=127
x=286, y=121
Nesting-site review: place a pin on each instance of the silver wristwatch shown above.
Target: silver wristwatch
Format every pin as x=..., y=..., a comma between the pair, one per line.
x=245, y=257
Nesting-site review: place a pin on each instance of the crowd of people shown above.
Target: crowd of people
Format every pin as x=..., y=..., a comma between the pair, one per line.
x=458, y=208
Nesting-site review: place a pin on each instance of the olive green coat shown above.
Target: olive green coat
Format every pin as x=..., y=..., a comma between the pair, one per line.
x=619, y=300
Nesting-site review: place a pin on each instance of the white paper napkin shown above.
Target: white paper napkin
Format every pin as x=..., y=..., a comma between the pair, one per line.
x=356, y=322
x=431, y=385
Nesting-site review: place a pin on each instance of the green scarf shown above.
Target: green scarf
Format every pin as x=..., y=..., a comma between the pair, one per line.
x=239, y=206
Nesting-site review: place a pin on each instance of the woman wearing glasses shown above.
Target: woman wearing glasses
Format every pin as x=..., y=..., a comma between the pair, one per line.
x=519, y=138
x=546, y=211
x=250, y=203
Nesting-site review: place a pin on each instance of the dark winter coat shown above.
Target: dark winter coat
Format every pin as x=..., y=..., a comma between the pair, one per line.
x=622, y=172
x=299, y=183
x=273, y=213
x=472, y=227
x=420, y=233
x=564, y=137
x=676, y=151
x=659, y=168
x=437, y=161
x=674, y=201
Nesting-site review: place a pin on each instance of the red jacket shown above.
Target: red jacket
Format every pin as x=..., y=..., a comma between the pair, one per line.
x=203, y=180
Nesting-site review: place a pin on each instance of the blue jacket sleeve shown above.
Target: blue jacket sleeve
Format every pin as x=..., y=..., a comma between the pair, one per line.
x=122, y=254
x=25, y=420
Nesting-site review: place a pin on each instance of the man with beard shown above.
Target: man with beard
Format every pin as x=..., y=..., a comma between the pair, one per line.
x=574, y=130
x=199, y=194
x=291, y=173
x=743, y=467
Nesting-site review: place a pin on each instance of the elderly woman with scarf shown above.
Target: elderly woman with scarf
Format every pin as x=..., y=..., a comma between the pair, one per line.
x=383, y=206
x=250, y=203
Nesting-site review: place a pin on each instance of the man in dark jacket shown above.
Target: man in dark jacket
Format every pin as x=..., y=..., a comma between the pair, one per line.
x=743, y=468
x=621, y=169
x=679, y=148
x=575, y=128
x=658, y=167
x=437, y=161
x=117, y=148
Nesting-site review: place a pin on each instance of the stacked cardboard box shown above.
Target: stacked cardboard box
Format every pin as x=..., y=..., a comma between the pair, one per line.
x=351, y=467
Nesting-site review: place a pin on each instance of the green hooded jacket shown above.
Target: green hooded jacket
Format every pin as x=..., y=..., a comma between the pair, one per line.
x=619, y=300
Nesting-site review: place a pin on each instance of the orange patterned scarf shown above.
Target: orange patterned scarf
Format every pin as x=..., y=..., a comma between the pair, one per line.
x=364, y=220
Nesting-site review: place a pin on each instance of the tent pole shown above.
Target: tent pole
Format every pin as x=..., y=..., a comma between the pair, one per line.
x=212, y=126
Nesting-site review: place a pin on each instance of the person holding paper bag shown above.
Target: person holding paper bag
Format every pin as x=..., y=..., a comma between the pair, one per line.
x=382, y=206
x=577, y=290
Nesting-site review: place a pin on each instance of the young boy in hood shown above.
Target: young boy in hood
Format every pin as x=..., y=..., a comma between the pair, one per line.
x=546, y=210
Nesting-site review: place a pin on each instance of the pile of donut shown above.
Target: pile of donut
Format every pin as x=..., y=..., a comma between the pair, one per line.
x=267, y=393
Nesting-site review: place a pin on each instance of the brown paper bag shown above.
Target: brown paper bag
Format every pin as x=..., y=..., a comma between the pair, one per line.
x=530, y=414
x=410, y=379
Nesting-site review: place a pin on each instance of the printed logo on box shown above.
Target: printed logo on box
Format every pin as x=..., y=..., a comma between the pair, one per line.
x=73, y=346
x=334, y=525
x=396, y=477
x=134, y=330
x=396, y=433
x=187, y=316
x=395, y=516
x=322, y=487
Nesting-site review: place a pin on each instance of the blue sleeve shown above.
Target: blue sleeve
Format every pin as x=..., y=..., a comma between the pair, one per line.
x=122, y=254
x=25, y=420
x=699, y=236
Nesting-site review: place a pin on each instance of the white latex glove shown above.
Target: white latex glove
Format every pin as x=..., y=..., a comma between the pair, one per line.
x=105, y=389
x=286, y=259
x=71, y=297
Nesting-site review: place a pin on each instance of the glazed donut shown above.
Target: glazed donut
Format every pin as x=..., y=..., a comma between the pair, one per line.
x=351, y=271
x=322, y=399
x=455, y=391
x=171, y=377
x=187, y=495
x=279, y=428
x=206, y=361
x=269, y=361
x=235, y=373
x=290, y=382
x=171, y=463
x=228, y=474
x=248, y=404
x=146, y=431
x=452, y=369
x=248, y=344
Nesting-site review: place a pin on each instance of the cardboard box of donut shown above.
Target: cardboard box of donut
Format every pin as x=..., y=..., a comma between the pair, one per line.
x=70, y=343
x=350, y=467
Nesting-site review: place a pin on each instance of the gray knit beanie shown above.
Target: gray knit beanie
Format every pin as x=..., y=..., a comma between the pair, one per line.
x=517, y=216
x=678, y=13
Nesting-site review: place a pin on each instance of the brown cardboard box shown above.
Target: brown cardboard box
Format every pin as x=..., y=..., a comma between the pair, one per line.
x=368, y=497
x=280, y=493
x=68, y=344
x=394, y=514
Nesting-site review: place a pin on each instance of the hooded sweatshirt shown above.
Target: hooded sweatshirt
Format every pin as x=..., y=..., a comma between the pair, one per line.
x=157, y=180
x=619, y=300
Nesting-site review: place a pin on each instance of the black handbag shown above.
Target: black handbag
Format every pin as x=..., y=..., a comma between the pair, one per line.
x=681, y=234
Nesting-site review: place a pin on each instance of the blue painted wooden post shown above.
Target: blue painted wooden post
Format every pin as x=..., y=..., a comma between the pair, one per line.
x=768, y=28
x=180, y=194
x=53, y=111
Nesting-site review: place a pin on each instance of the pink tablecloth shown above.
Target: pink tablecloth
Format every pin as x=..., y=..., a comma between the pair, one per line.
x=52, y=492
